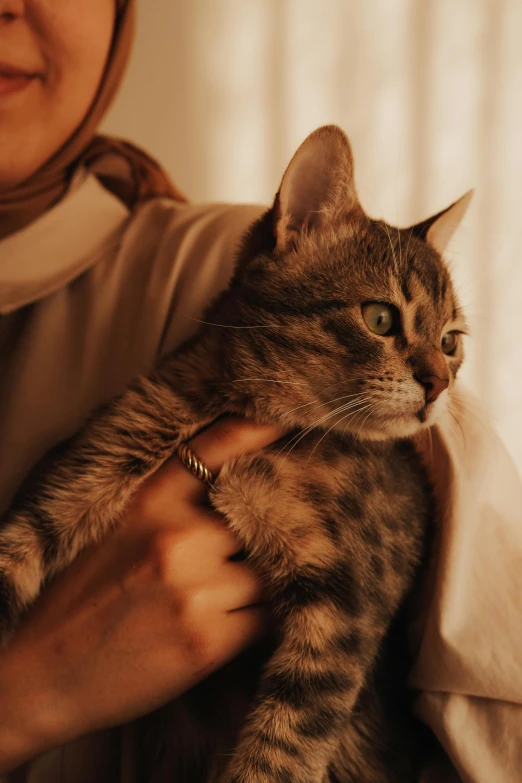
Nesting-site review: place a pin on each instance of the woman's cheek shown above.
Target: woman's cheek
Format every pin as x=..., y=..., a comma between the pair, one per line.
x=70, y=42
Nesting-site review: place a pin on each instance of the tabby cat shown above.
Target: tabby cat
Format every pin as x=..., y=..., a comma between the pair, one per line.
x=350, y=340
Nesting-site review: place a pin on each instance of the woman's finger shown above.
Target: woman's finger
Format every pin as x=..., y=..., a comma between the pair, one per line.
x=224, y=440
x=244, y=627
x=205, y=539
x=238, y=587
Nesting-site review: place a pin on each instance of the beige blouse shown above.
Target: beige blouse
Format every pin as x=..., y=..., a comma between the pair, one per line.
x=90, y=296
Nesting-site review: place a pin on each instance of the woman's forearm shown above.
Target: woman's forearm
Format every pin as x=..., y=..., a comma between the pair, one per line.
x=137, y=620
x=27, y=710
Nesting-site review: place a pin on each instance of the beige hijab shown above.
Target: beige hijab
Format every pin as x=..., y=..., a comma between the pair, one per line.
x=123, y=168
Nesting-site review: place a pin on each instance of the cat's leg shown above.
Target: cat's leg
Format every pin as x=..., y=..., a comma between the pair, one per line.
x=383, y=743
x=81, y=489
x=330, y=626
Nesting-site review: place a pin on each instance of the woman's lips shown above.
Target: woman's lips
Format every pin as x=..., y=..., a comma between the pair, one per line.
x=14, y=79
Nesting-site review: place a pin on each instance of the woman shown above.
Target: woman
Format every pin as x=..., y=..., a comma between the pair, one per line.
x=101, y=262
x=90, y=293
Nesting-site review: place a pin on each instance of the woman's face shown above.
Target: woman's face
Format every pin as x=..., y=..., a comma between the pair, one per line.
x=52, y=57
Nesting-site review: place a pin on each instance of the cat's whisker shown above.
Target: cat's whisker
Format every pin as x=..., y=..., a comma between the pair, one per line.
x=467, y=396
x=321, y=404
x=462, y=409
x=459, y=425
x=408, y=244
x=465, y=411
x=469, y=401
x=339, y=410
x=300, y=435
x=397, y=207
x=372, y=408
x=352, y=413
x=385, y=227
x=304, y=405
x=294, y=383
x=349, y=405
x=369, y=408
x=318, y=421
x=308, y=429
x=382, y=224
x=271, y=380
x=232, y=326
x=457, y=422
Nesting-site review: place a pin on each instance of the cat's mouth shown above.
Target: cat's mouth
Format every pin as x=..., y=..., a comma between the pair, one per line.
x=424, y=417
x=423, y=414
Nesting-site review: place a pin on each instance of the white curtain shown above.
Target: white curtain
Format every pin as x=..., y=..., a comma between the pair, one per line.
x=429, y=92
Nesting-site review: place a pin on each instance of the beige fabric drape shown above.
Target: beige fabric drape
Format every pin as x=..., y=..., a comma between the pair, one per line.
x=90, y=296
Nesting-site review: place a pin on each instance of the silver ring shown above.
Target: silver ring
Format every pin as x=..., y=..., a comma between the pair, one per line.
x=196, y=466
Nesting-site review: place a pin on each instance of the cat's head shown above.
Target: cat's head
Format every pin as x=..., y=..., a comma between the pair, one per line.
x=351, y=323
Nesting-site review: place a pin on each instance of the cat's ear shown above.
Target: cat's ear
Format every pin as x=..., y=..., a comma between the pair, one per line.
x=317, y=187
x=438, y=230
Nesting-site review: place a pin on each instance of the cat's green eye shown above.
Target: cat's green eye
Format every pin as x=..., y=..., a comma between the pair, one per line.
x=449, y=343
x=380, y=318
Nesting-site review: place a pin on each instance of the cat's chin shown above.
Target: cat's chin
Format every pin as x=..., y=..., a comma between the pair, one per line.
x=394, y=427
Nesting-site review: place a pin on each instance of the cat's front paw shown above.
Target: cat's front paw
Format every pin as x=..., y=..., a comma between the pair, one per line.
x=262, y=500
x=256, y=503
x=21, y=573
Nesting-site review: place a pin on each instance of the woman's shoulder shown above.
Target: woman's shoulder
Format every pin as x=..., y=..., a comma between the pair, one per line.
x=91, y=232
x=143, y=261
x=179, y=237
x=185, y=253
x=91, y=294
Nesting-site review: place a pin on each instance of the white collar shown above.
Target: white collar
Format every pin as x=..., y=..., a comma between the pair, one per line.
x=59, y=245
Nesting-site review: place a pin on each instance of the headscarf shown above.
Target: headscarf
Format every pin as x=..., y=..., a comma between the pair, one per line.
x=126, y=170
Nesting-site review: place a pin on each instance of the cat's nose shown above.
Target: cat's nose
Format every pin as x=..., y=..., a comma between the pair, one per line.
x=433, y=386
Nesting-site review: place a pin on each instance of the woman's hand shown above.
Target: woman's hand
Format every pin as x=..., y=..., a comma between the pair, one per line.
x=138, y=619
